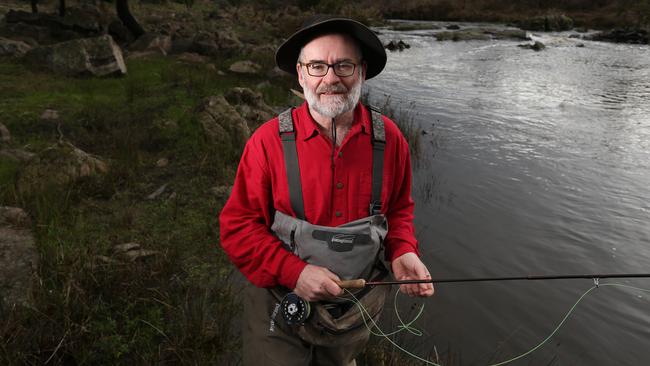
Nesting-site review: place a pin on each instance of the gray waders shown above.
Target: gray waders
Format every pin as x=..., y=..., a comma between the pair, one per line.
x=335, y=332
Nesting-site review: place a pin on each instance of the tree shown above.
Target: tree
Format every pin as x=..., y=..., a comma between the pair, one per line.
x=124, y=13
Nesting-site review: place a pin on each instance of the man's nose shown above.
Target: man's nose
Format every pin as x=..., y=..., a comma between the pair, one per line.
x=331, y=77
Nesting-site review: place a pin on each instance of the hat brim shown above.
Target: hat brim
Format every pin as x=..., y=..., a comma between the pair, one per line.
x=373, y=51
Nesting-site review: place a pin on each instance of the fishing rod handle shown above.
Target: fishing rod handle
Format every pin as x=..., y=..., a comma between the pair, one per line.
x=360, y=283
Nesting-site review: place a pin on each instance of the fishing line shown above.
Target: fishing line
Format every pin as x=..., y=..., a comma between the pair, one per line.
x=408, y=326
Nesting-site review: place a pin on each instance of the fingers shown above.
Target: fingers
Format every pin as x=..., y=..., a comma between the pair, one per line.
x=317, y=283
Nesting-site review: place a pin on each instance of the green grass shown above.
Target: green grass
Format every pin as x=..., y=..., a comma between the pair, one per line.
x=176, y=306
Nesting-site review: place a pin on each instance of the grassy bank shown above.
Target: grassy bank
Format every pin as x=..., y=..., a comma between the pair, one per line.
x=91, y=305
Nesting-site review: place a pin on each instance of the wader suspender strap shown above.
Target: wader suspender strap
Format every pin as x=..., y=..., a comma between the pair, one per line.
x=288, y=136
x=378, y=145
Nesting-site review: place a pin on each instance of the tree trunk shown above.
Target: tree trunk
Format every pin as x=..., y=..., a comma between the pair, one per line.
x=123, y=12
x=34, y=6
x=62, y=8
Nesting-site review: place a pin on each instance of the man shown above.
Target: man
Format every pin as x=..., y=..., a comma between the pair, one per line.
x=322, y=194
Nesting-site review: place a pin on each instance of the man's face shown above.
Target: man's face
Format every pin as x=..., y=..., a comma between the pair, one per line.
x=331, y=95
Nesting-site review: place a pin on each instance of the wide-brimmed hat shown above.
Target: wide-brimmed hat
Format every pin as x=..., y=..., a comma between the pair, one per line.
x=373, y=51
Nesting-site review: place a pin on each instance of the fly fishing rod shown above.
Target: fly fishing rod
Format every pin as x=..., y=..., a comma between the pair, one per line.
x=361, y=283
x=296, y=310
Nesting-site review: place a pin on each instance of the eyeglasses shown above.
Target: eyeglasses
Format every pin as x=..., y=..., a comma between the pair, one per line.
x=342, y=69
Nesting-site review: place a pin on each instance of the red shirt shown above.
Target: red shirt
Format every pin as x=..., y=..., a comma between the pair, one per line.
x=332, y=195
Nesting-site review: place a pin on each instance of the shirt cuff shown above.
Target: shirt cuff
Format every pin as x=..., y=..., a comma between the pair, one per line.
x=396, y=250
x=291, y=270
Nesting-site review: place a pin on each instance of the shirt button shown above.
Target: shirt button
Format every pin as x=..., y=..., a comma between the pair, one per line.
x=339, y=185
x=340, y=154
x=338, y=214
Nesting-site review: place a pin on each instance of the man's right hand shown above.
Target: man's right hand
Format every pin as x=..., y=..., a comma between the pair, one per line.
x=317, y=283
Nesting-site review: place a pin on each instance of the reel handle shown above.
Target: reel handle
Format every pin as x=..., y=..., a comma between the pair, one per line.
x=359, y=283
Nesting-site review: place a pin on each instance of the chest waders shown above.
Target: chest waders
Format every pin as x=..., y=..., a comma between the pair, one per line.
x=352, y=250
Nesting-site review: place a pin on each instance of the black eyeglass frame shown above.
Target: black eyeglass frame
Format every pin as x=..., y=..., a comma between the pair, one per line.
x=332, y=66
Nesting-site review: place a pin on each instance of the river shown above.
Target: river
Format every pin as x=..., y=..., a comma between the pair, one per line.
x=533, y=163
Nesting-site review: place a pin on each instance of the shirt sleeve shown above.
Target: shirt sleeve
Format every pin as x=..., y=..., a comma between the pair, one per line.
x=245, y=223
x=400, y=238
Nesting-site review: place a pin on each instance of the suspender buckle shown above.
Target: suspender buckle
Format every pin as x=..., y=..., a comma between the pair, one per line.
x=375, y=208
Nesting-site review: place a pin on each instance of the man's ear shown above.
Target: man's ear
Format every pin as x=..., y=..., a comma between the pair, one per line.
x=300, y=78
x=364, y=68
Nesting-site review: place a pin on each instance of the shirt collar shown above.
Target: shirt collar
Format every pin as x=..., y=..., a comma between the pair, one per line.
x=307, y=127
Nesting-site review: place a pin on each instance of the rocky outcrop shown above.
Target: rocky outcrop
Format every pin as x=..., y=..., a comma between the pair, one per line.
x=220, y=43
x=245, y=67
x=250, y=105
x=58, y=166
x=98, y=56
x=18, y=257
x=221, y=123
x=5, y=135
x=12, y=48
x=397, y=45
x=537, y=46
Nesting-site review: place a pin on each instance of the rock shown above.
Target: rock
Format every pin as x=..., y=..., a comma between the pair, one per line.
x=12, y=48
x=50, y=114
x=58, y=166
x=397, y=45
x=162, y=162
x=222, y=124
x=221, y=191
x=453, y=27
x=158, y=192
x=18, y=257
x=537, y=46
x=98, y=56
x=133, y=252
x=580, y=45
x=152, y=42
x=547, y=23
x=17, y=155
x=250, y=105
x=192, y=58
x=635, y=36
x=5, y=136
x=245, y=67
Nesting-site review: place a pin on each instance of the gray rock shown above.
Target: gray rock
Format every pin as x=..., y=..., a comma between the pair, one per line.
x=222, y=124
x=5, y=135
x=18, y=257
x=250, y=105
x=17, y=155
x=50, y=114
x=221, y=191
x=12, y=48
x=537, y=46
x=245, y=67
x=58, y=166
x=98, y=56
x=152, y=42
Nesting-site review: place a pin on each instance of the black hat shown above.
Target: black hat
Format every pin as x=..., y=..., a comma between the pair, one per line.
x=373, y=51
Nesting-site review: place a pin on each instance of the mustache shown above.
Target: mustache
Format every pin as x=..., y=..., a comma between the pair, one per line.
x=336, y=88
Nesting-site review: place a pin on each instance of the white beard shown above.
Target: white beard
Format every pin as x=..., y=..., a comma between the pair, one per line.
x=335, y=105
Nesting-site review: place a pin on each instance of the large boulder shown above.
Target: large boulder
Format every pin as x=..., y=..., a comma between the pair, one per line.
x=245, y=67
x=9, y=47
x=58, y=166
x=250, y=105
x=18, y=257
x=99, y=56
x=222, y=124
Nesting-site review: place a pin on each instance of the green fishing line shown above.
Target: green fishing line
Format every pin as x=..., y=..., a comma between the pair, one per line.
x=408, y=326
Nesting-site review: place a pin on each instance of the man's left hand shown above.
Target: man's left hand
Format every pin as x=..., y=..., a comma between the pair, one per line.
x=409, y=267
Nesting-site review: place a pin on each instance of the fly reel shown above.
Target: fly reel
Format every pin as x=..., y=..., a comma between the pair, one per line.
x=295, y=310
